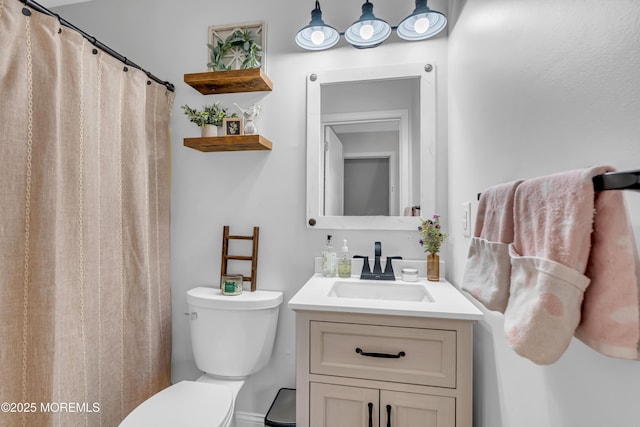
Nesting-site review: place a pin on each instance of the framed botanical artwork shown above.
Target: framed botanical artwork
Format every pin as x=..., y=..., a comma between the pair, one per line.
x=232, y=126
x=231, y=284
x=237, y=46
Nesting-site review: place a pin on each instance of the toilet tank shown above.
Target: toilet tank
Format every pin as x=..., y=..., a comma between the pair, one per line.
x=232, y=336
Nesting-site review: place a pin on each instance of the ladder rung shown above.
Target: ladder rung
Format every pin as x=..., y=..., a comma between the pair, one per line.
x=240, y=237
x=239, y=257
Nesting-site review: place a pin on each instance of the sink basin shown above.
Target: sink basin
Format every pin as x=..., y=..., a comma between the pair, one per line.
x=394, y=298
x=379, y=290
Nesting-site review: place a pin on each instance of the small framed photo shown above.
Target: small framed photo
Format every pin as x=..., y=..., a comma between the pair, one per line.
x=231, y=284
x=232, y=126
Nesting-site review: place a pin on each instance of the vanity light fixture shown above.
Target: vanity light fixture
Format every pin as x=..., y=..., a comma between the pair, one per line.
x=422, y=23
x=317, y=35
x=369, y=31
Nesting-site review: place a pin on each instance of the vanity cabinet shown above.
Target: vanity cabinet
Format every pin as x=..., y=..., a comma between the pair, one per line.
x=361, y=370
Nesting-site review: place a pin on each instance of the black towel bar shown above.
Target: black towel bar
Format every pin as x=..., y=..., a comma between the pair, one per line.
x=626, y=180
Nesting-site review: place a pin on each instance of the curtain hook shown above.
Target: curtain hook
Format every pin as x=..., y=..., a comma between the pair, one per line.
x=59, y=21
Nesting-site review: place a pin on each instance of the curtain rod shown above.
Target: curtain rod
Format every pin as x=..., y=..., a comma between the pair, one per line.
x=97, y=43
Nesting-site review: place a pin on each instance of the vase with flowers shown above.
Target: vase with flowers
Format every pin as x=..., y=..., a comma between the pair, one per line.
x=431, y=239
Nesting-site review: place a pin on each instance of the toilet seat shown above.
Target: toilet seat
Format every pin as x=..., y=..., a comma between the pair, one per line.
x=187, y=403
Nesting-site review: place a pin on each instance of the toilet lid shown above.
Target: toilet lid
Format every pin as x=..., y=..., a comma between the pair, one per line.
x=187, y=403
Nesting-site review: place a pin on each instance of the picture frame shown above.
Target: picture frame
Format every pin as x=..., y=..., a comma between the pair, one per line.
x=230, y=50
x=232, y=126
x=231, y=284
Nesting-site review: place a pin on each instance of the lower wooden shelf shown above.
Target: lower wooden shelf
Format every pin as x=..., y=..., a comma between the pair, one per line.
x=228, y=143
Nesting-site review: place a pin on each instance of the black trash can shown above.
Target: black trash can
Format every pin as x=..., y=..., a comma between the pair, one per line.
x=282, y=412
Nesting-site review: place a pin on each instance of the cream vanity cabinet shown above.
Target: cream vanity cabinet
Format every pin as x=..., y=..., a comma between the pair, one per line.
x=371, y=370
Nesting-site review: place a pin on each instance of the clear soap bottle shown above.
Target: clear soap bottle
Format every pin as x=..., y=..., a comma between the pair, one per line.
x=344, y=263
x=329, y=259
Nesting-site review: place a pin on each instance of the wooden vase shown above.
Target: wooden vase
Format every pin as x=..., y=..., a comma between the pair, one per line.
x=433, y=267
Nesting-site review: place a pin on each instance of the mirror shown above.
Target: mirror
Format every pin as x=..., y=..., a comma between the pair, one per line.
x=371, y=147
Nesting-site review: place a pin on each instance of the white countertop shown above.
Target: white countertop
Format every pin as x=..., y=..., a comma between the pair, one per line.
x=448, y=302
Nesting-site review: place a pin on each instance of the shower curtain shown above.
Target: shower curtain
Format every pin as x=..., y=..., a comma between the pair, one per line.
x=85, y=323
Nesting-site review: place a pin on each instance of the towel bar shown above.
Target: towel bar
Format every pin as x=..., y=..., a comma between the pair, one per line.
x=626, y=180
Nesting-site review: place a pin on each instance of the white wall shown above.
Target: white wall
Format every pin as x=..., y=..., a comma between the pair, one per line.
x=56, y=3
x=539, y=86
x=243, y=189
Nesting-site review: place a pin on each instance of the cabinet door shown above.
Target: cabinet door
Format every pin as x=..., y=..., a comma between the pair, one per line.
x=343, y=406
x=398, y=409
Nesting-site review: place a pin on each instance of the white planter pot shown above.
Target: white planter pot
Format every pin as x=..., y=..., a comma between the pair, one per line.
x=211, y=130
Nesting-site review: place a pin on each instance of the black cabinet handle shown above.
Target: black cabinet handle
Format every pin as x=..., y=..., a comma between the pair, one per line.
x=388, y=415
x=382, y=355
x=370, y=414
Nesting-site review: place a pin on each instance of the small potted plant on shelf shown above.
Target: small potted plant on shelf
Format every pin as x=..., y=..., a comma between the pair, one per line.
x=209, y=119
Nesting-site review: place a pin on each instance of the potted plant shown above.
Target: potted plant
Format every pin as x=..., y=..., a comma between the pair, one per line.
x=209, y=119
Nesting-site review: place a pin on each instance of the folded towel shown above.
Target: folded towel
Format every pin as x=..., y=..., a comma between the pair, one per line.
x=611, y=309
x=487, y=271
x=553, y=218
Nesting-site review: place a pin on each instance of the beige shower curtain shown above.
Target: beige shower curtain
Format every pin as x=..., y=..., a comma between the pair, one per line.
x=85, y=320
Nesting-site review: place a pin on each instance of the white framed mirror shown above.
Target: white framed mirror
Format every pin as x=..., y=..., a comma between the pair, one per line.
x=371, y=147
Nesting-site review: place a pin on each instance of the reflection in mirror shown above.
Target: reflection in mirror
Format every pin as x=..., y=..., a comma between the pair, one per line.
x=368, y=133
x=363, y=159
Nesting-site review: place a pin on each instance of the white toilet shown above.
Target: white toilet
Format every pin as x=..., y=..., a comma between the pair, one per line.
x=232, y=337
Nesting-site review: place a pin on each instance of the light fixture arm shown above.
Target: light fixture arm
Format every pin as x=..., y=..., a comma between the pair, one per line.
x=367, y=10
x=316, y=13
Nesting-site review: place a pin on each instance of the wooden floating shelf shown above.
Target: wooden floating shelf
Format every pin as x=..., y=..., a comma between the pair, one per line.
x=232, y=81
x=229, y=143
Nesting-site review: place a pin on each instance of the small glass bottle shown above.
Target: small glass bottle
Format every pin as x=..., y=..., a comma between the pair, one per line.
x=344, y=263
x=329, y=259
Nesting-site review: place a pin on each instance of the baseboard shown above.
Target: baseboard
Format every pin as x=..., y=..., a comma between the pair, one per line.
x=247, y=419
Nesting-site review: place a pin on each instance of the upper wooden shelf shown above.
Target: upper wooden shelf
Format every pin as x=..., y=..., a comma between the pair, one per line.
x=229, y=143
x=232, y=81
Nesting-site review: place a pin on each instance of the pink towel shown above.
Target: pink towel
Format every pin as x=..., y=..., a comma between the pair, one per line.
x=487, y=271
x=611, y=309
x=553, y=217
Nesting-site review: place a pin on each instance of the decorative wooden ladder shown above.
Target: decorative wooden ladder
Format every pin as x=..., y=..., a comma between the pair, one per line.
x=253, y=258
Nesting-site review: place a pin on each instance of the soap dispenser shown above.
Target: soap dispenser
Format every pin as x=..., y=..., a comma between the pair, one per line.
x=329, y=259
x=344, y=263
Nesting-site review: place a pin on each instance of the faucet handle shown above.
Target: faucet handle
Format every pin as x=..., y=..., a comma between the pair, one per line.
x=366, y=268
x=388, y=268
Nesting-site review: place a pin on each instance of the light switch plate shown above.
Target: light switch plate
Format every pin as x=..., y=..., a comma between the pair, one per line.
x=466, y=219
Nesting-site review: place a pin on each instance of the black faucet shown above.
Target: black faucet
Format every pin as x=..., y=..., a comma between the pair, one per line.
x=377, y=273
